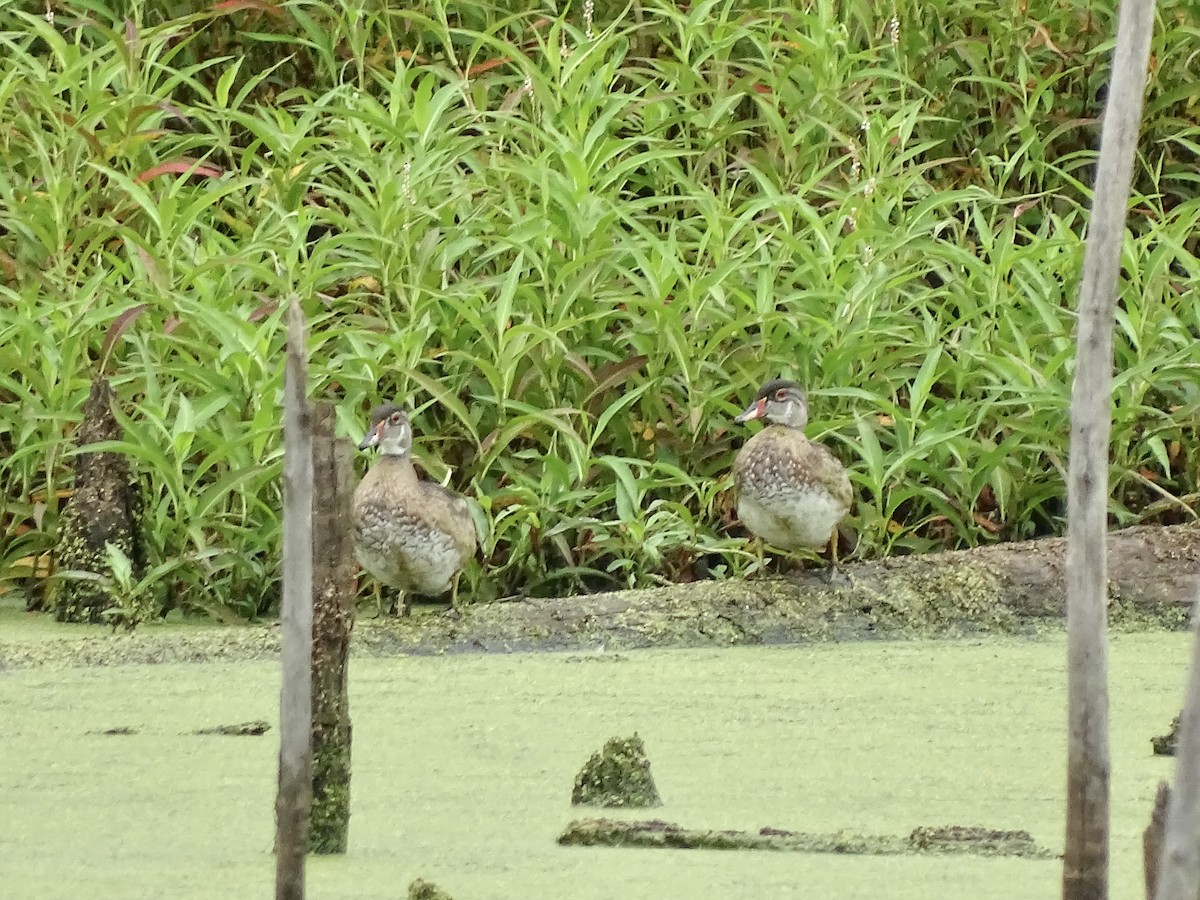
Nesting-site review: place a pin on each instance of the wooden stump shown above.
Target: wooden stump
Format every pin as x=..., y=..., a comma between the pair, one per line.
x=1152, y=839
x=105, y=508
x=333, y=618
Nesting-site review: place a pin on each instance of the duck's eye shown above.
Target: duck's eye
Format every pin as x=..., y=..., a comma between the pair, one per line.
x=781, y=396
x=395, y=418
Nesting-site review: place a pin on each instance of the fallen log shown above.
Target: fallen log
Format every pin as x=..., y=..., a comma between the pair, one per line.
x=1016, y=588
x=1003, y=588
x=655, y=833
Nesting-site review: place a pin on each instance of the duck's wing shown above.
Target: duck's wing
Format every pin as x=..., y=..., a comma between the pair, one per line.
x=827, y=470
x=451, y=513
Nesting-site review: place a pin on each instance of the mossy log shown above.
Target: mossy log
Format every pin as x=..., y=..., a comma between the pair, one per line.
x=1004, y=588
x=104, y=508
x=333, y=618
x=667, y=835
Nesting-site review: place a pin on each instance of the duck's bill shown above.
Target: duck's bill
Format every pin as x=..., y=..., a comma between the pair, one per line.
x=370, y=440
x=754, y=411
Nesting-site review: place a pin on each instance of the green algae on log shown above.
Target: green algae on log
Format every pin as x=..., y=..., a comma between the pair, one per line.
x=104, y=508
x=1001, y=589
x=617, y=776
x=1012, y=588
x=923, y=839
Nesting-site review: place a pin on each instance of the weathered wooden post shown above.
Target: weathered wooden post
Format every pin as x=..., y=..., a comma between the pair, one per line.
x=295, y=698
x=333, y=618
x=1085, y=860
x=1179, y=865
x=1152, y=839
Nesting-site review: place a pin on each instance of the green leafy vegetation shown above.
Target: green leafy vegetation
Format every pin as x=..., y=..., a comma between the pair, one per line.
x=576, y=240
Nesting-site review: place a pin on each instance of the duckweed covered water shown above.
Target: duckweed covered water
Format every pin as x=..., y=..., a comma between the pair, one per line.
x=464, y=766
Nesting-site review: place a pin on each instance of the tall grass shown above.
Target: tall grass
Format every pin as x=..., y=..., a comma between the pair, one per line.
x=576, y=240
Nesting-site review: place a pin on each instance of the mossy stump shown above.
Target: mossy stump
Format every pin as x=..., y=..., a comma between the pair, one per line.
x=618, y=775
x=104, y=508
x=333, y=620
x=1164, y=744
x=426, y=890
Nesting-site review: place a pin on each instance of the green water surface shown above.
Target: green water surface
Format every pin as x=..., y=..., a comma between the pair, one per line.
x=463, y=769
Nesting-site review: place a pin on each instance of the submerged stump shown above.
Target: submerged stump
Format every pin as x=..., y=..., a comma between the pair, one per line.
x=618, y=775
x=333, y=617
x=421, y=889
x=1164, y=744
x=104, y=508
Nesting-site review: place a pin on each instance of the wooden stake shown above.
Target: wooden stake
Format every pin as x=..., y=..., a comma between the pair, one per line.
x=295, y=699
x=1179, y=865
x=1085, y=860
x=1152, y=839
x=333, y=618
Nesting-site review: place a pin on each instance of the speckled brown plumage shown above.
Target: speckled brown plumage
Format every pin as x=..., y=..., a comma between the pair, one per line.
x=792, y=492
x=412, y=535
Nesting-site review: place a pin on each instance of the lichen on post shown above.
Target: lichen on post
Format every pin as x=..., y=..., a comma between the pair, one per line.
x=104, y=508
x=333, y=618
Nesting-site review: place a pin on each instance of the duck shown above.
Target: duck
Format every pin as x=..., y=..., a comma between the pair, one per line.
x=792, y=493
x=413, y=536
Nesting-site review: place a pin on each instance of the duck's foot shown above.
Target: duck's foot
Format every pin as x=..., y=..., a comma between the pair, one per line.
x=835, y=576
x=382, y=609
x=400, y=602
x=522, y=597
x=758, y=568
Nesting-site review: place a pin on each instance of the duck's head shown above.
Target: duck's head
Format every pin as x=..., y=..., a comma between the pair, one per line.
x=780, y=402
x=390, y=431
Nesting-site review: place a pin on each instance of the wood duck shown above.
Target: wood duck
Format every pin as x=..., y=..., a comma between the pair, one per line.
x=792, y=492
x=412, y=535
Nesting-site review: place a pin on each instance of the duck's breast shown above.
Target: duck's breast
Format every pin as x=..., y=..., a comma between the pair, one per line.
x=406, y=552
x=400, y=534
x=791, y=521
x=791, y=492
